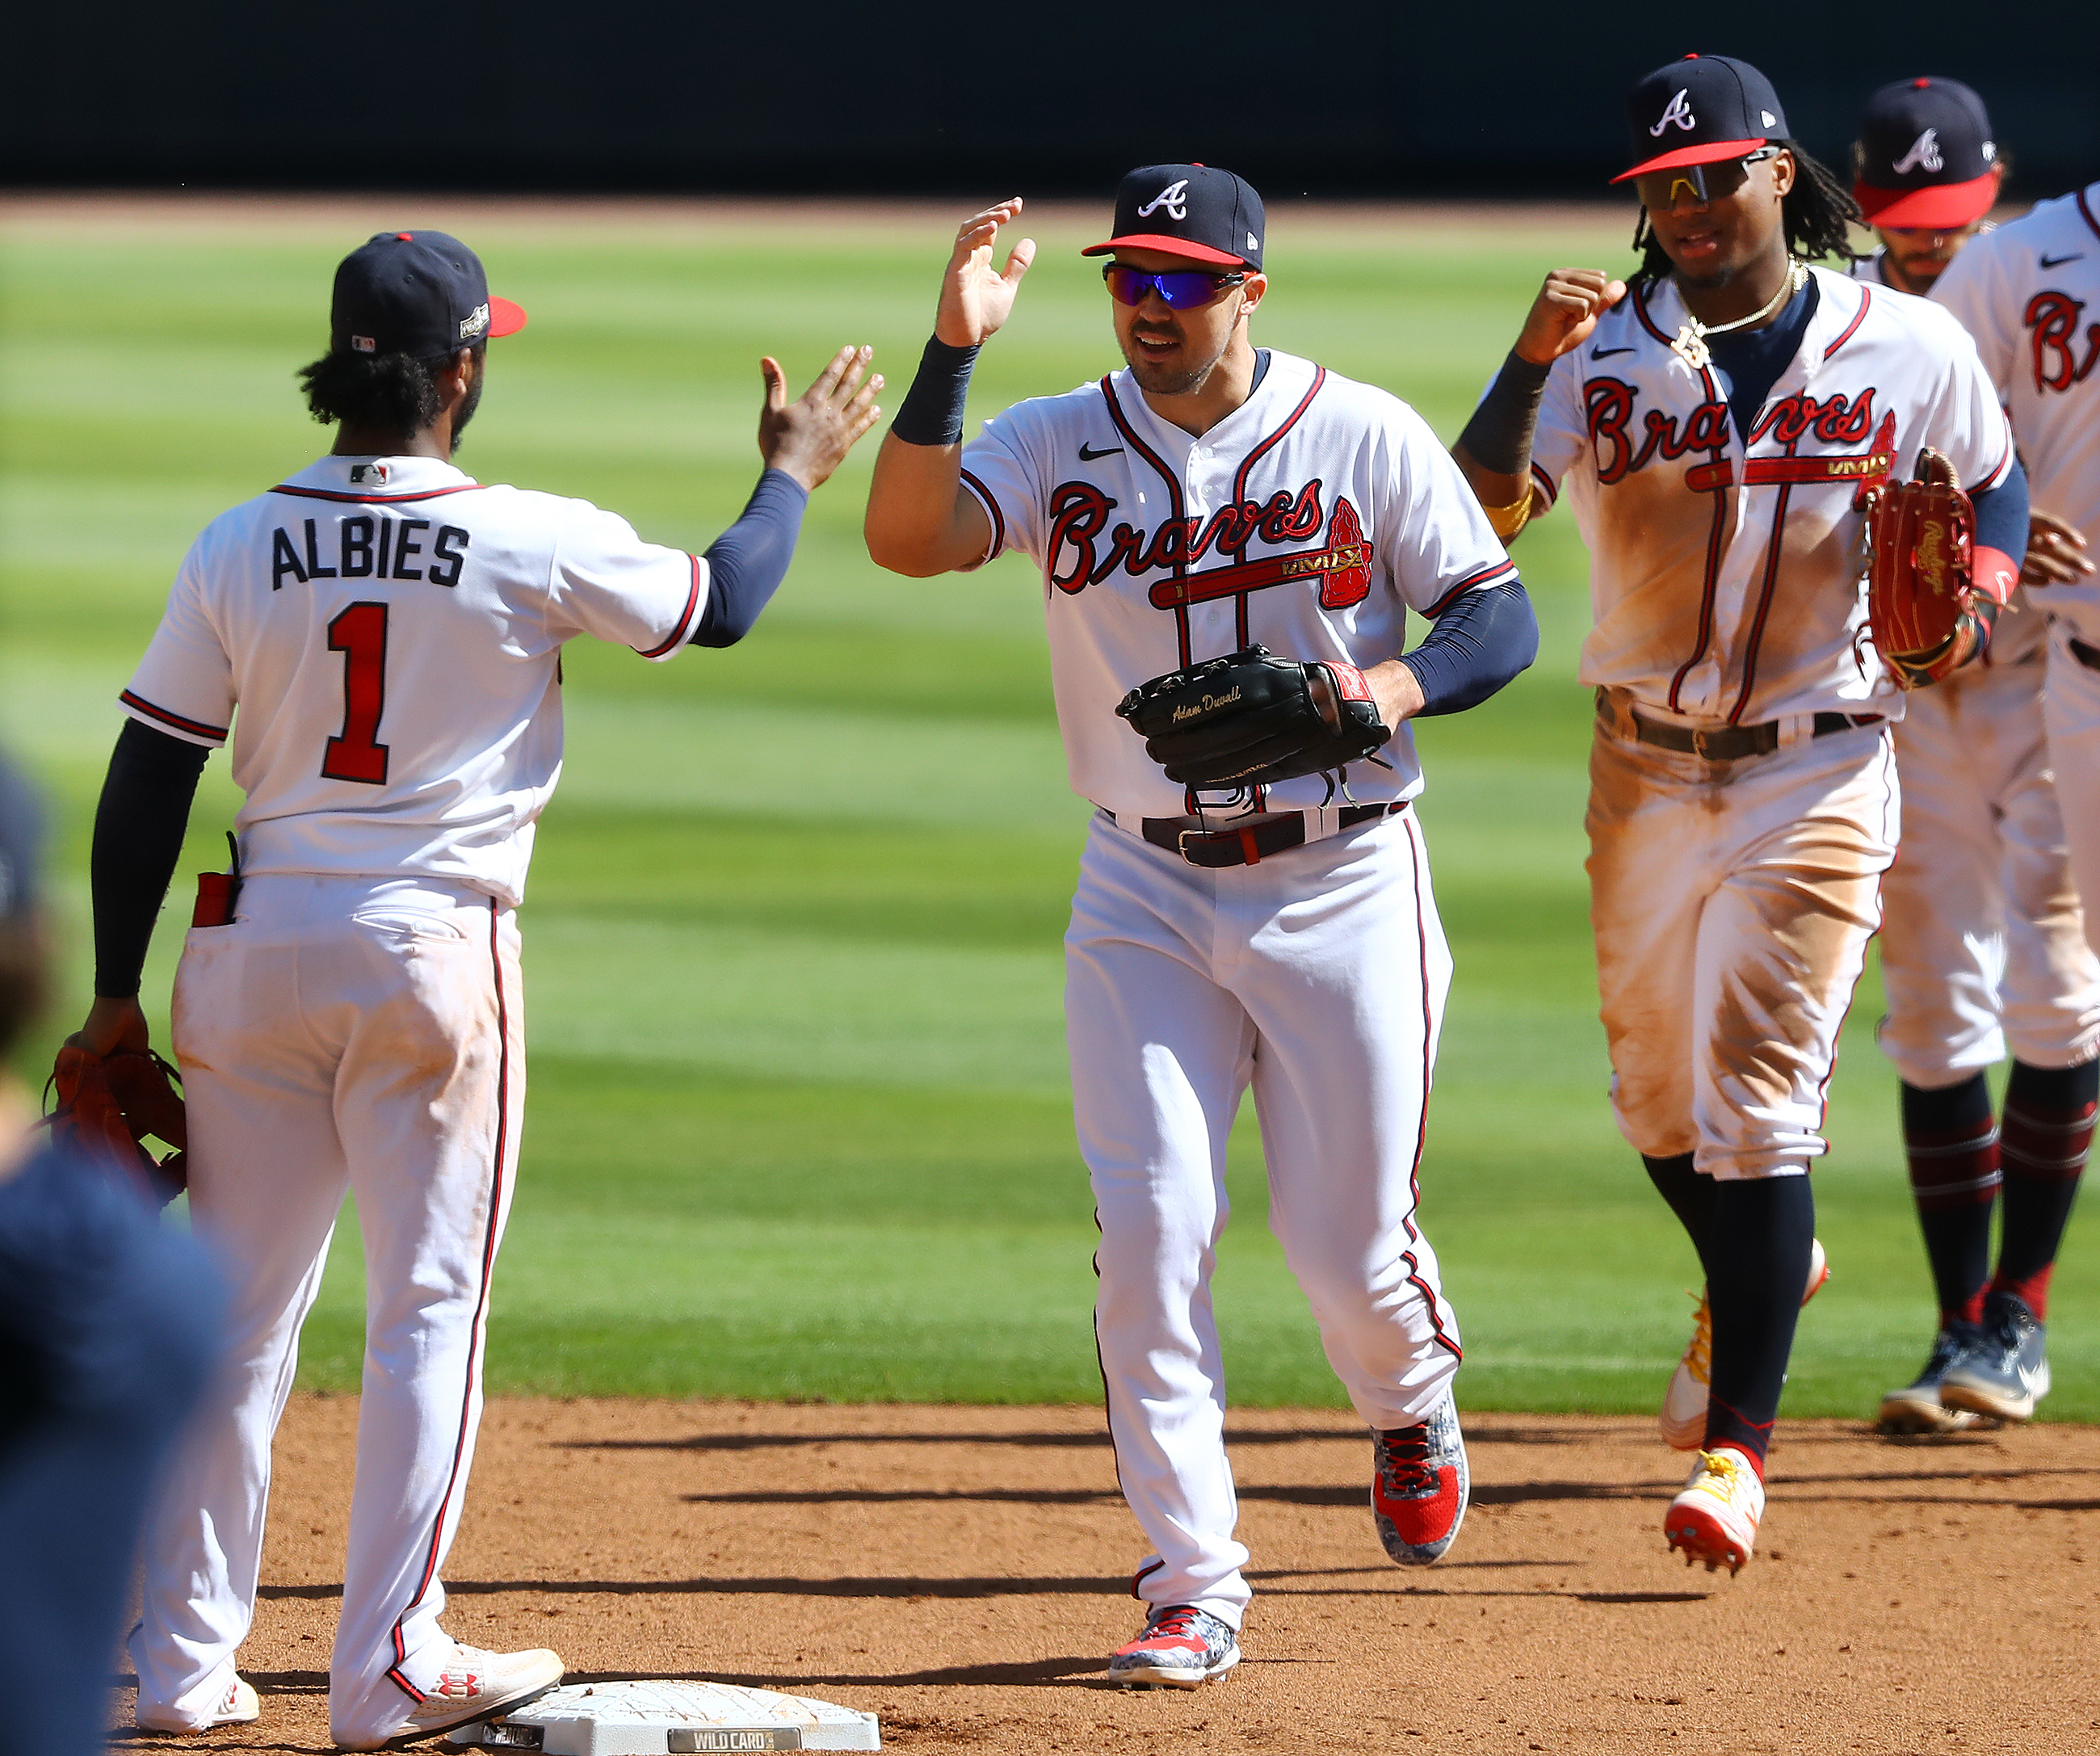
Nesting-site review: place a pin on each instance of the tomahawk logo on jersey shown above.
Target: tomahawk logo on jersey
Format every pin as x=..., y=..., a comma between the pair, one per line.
x=1311, y=519
x=389, y=685
x=1726, y=575
x=2029, y=293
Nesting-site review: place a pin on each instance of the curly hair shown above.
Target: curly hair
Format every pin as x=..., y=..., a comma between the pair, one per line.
x=1816, y=214
x=393, y=392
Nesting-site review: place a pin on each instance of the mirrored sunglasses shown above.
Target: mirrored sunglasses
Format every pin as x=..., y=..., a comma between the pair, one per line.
x=1698, y=183
x=1180, y=289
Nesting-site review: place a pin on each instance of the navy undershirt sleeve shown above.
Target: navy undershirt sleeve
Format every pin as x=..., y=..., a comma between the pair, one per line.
x=139, y=829
x=2002, y=514
x=1753, y=359
x=747, y=562
x=1476, y=646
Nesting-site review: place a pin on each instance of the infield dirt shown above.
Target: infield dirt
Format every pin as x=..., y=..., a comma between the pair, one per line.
x=961, y=1571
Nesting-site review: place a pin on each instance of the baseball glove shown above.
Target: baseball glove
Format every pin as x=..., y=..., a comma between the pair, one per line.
x=109, y=1104
x=1252, y=719
x=1921, y=594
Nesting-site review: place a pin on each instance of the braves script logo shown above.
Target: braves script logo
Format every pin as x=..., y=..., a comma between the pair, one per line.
x=2053, y=317
x=1174, y=198
x=1838, y=419
x=1679, y=110
x=1924, y=151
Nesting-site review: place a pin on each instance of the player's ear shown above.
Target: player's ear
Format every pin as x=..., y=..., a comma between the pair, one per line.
x=1252, y=290
x=1784, y=170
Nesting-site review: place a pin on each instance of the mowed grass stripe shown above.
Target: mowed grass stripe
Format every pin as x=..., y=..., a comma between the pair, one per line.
x=798, y=1123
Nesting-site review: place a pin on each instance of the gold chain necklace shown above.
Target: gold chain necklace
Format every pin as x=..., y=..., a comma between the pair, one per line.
x=1690, y=346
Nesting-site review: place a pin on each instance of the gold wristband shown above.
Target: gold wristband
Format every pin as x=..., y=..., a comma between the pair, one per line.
x=1506, y=521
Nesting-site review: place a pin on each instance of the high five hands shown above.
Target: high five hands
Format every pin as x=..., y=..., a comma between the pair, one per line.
x=975, y=298
x=1565, y=312
x=809, y=438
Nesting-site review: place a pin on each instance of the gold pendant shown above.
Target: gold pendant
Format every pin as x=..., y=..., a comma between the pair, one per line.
x=1690, y=347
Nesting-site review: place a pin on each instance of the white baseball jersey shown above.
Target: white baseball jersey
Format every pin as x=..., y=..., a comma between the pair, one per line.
x=2030, y=295
x=382, y=637
x=1310, y=519
x=1726, y=580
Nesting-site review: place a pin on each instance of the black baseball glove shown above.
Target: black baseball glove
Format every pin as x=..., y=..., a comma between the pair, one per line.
x=1252, y=719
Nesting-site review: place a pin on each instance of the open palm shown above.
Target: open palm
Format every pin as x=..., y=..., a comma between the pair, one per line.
x=975, y=296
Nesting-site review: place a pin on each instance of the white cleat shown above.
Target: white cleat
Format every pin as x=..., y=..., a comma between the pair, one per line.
x=474, y=1686
x=1683, y=1416
x=1715, y=1518
x=237, y=1707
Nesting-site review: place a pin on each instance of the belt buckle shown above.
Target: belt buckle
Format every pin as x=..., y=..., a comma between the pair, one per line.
x=1699, y=745
x=1182, y=839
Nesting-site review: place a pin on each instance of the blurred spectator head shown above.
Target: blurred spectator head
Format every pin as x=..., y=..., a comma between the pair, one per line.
x=23, y=952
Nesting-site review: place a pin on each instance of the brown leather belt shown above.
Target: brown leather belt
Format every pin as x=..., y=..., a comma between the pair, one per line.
x=1251, y=843
x=1730, y=743
x=2088, y=656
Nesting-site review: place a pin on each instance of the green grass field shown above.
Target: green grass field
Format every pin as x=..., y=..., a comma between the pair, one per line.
x=799, y=1124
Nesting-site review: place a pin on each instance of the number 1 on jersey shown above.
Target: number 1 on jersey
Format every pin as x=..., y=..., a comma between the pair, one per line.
x=359, y=635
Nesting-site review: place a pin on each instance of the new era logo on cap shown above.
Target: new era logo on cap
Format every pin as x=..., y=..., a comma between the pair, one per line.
x=422, y=293
x=1197, y=211
x=1700, y=111
x=1924, y=157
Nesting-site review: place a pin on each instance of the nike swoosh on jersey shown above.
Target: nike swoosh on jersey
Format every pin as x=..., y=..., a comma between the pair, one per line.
x=2057, y=261
x=1606, y=352
x=1088, y=457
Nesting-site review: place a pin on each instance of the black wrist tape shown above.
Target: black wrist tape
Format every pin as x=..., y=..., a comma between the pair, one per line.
x=1499, y=436
x=932, y=413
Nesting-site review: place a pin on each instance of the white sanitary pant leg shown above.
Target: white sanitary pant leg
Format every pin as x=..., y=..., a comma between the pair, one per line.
x=1317, y=975
x=342, y=1033
x=1984, y=942
x=2070, y=706
x=1732, y=903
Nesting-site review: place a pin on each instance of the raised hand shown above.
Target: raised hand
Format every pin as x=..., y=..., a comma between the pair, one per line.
x=2056, y=551
x=1566, y=312
x=809, y=437
x=975, y=296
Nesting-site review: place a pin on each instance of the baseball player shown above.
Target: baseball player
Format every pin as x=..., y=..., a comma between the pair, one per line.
x=1984, y=942
x=1211, y=498
x=380, y=636
x=1715, y=421
x=2029, y=293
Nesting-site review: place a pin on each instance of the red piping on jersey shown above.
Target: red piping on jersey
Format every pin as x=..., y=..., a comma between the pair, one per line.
x=1428, y=1068
x=1542, y=480
x=1481, y=581
x=476, y=1327
x=376, y=500
x=1247, y=463
x=998, y=518
x=2003, y=469
x=1866, y=299
x=2088, y=213
x=1174, y=492
x=1647, y=322
x=1764, y=607
x=195, y=728
x=685, y=620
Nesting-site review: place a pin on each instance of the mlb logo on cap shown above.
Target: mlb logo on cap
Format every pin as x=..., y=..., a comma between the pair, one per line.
x=1925, y=160
x=1197, y=211
x=1701, y=110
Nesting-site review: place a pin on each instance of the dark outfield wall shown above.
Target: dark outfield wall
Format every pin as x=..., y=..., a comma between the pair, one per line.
x=1350, y=98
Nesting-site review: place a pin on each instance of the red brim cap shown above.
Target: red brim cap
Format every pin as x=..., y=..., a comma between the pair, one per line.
x=1713, y=153
x=503, y=317
x=1937, y=207
x=1153, y=240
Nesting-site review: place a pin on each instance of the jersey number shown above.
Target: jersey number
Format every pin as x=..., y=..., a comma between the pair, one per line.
x=359, y=635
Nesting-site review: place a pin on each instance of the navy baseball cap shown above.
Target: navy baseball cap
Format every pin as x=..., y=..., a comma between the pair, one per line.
x=1701, y=110
x=422, y=293
x=1194, y=210
x=1925, y=158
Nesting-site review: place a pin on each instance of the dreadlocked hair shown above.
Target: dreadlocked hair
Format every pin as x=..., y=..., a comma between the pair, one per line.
x=1814, y=214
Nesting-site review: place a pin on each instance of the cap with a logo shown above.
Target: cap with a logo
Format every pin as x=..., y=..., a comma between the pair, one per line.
x=1194, y=210
x=1926, y=156
x=422, y=293
x=1700, y=111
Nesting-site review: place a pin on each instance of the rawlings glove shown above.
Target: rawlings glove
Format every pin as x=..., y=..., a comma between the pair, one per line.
x=107, y=1104
x=1252, y=719
x=1920, y=591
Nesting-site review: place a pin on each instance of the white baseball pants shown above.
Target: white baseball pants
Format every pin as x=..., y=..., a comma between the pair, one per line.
x=358, y=1033
x=2070, y=710
x=1732, y=903
x=1318, y=977
x=1984, y=942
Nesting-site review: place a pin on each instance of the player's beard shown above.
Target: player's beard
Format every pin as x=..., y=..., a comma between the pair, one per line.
x=464, y=412
x=1160, y=379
